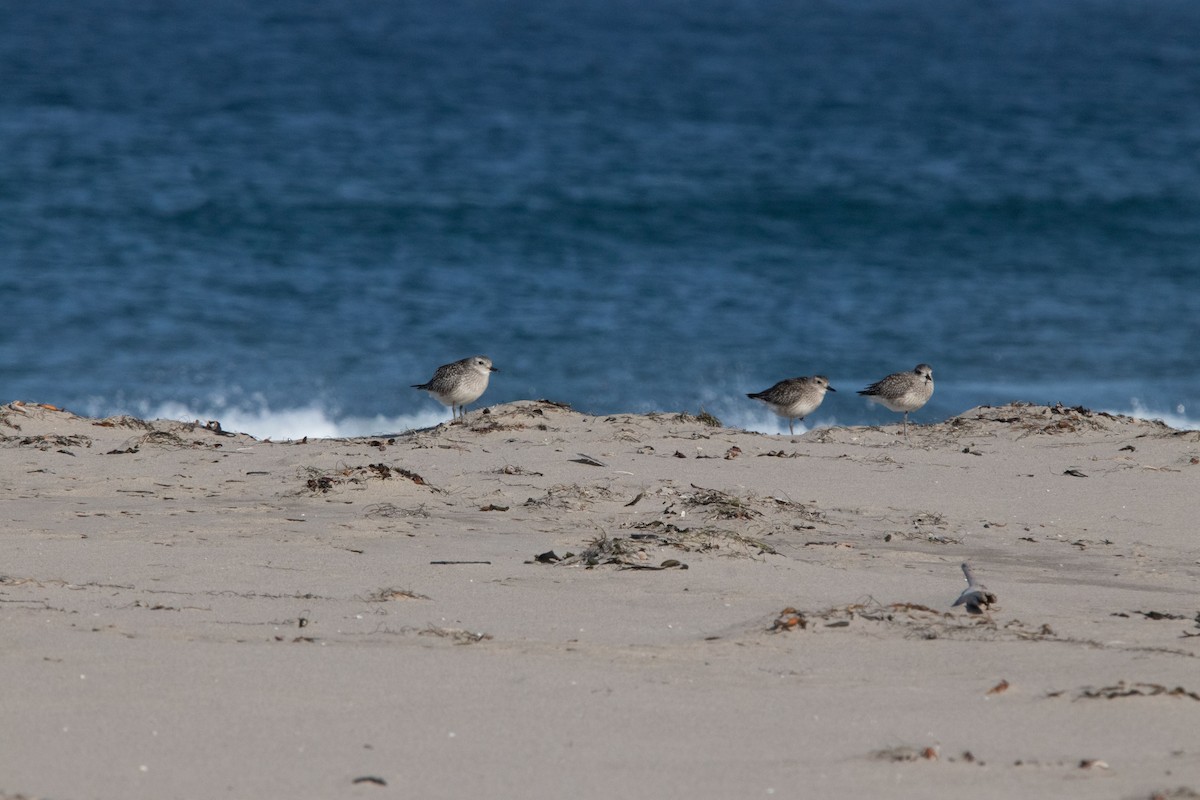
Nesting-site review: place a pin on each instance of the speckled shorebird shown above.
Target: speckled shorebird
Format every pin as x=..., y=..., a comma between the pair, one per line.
x=460, y=383
x=903, y=391
x=795, y=398
x=976, y=596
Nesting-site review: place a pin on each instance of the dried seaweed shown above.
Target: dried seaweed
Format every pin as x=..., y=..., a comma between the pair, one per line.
x=902, y=753
x=391, y=511
x=704, y=418
x=389, y=593
x=164, y=439
x=456, y=635
x=702, y=539
x=47, y=441
x=510, y=469
x=124, y=421
x=322, y=481
x=721, y=505
x=570, y=496
x=1123, y=689
x=603, y=550
x=489, y=425
x=1178, y=793
x=916, y=620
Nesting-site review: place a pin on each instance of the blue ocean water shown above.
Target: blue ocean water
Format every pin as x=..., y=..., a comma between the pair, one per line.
x=281, y=214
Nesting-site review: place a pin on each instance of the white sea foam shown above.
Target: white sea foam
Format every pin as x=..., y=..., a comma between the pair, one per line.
x=751, y=415
x=296, y=423
x=316, y=422
x=1177, y=418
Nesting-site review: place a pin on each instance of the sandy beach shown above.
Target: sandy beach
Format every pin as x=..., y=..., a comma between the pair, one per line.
x=537, y=603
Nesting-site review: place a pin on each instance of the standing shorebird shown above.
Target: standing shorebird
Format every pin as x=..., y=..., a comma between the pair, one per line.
x=903, y=391
x=795, y=398
x=459, y=383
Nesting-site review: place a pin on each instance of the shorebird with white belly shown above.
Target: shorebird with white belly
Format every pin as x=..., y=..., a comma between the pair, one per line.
x=903, y=391
x=795, y=398
x=459, y=383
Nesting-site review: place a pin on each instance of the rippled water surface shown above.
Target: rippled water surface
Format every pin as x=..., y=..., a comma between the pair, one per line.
x=286, y=213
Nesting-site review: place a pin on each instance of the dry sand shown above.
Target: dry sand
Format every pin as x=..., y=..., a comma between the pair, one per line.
x=188, y=613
